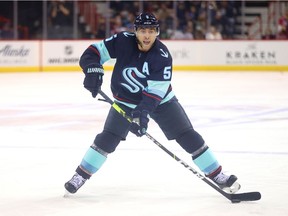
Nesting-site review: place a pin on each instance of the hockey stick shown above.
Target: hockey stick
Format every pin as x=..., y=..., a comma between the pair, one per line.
x=234, y=198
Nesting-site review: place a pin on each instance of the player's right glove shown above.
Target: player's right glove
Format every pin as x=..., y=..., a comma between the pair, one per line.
x=93, y=78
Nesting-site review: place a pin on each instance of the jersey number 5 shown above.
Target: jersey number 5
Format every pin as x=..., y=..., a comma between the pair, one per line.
x=167, y=73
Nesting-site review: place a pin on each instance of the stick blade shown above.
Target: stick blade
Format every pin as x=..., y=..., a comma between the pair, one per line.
x=251, y=196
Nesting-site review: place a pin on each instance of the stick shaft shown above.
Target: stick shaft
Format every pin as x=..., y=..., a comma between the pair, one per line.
x=187, y=166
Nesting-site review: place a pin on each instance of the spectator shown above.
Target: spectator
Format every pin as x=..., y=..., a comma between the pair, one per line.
x=177, y=35
x=180, y=11
x=164, y=31
x=30, y=15
x=101, y=31
x=228, y=18
x=283, y=26
x=188, y=30
x=165, y=15
x=6, y=32
x=61, y=19
x=268, y=35
x=213, y=34
x=117, y=25
x=185, y=34
x=201, y=25
x=191, y=14
x=127, y=19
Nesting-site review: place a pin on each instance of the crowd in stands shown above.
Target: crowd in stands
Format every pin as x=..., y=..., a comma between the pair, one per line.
x=60, y=19
x=213, y=20
x=190, y=20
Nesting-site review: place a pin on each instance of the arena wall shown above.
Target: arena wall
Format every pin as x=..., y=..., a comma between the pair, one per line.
x=63, y=55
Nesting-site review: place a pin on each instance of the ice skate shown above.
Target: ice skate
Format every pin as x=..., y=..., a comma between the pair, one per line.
x=226, y=182
x=74, y=183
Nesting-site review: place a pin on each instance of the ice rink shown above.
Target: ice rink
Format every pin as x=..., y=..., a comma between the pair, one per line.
x=48, y=121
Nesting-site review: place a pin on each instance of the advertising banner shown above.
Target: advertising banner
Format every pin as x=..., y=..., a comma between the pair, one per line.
x=65, y=55
x=19, y=56
x=229, y=55
x=192, y=55
x=62, y=55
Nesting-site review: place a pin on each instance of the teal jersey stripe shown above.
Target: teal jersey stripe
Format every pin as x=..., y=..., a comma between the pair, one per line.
x=104, y=54
x=168, y=97
x=157, y=87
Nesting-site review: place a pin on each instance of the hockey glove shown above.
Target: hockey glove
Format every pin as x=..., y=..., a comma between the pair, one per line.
x=140, y=121
x=93, y=78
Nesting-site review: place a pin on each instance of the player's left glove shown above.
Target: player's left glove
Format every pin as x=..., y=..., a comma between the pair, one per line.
x=93, y=78
x=140, y=121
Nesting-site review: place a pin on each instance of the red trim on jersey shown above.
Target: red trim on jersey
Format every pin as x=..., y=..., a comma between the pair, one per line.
x=121, y=99
x=152, y=96
x=94, y=49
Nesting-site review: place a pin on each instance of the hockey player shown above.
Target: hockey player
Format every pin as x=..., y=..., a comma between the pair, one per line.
x=141, y=86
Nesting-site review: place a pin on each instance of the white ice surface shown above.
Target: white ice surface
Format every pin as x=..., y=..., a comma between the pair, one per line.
x=48, y=121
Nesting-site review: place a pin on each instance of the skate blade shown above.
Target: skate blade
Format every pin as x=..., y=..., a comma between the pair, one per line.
x=233, y=189
x=66, y=194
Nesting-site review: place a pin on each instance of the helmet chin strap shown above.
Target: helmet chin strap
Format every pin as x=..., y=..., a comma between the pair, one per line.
x=138, y=42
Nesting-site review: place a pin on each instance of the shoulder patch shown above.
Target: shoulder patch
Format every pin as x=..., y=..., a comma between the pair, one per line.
x=164, y=54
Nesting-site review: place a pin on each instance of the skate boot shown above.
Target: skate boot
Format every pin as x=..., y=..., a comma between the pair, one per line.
x=74, y=183
x=223, y=180
x=226, y=182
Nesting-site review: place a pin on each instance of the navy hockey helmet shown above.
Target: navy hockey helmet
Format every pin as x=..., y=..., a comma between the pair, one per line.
x=146, y=20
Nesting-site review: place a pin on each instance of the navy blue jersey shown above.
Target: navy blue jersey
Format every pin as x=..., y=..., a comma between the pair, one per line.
x=137, y=73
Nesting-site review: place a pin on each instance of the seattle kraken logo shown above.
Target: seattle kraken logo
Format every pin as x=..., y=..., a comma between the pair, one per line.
x=132, y=84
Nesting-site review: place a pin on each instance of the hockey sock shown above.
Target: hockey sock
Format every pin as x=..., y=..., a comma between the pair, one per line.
x=206, y=162
x=93, y=160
